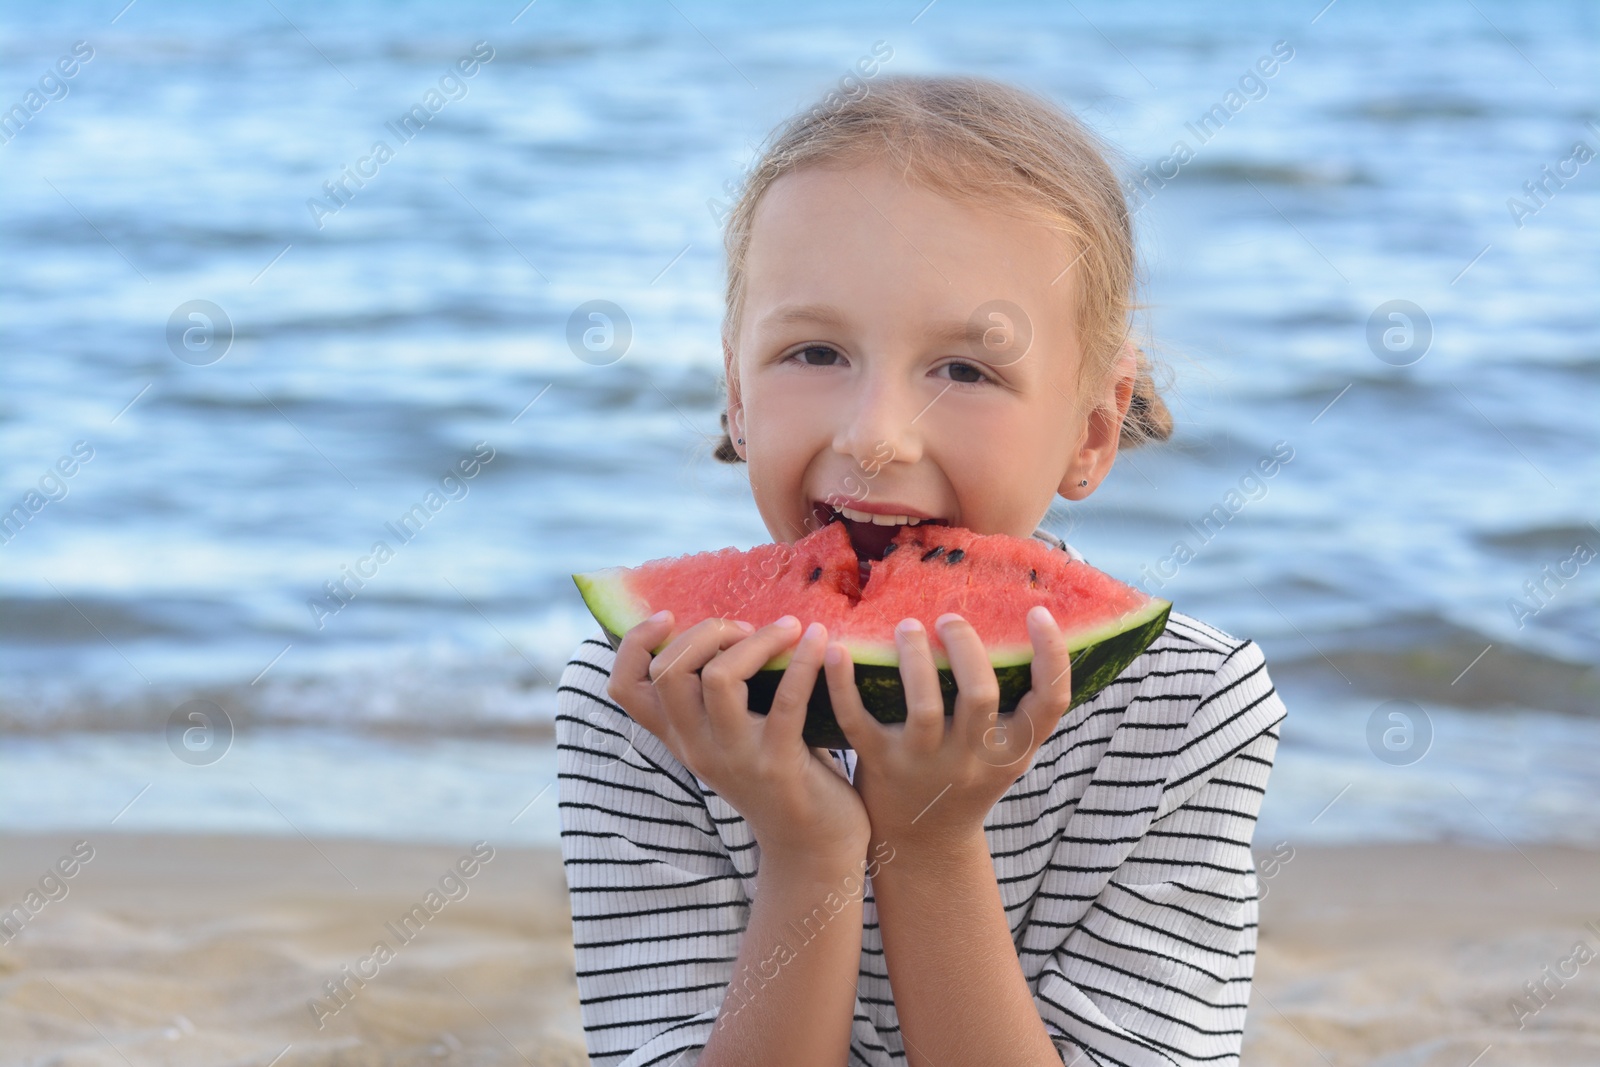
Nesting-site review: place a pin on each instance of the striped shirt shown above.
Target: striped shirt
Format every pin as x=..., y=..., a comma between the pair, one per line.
x=1122, y=856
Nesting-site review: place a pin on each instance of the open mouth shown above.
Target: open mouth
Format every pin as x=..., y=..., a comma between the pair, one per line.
x=867, y=537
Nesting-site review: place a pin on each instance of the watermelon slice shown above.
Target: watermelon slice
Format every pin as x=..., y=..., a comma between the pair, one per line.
x=991, y=580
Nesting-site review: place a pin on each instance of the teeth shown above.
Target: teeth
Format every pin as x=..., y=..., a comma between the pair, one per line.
x=877, y=520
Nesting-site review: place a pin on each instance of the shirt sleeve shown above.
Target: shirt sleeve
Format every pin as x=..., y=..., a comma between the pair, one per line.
x=657, y=904
x=1158, y=971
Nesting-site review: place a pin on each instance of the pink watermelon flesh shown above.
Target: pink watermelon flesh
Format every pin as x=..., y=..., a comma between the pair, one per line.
x=991, y=580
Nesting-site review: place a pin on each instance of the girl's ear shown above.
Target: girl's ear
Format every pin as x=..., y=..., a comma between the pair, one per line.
x=730, y=372
x=1098, y=448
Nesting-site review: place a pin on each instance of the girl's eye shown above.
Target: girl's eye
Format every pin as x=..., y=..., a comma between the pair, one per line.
x=828, y=356
x=959, y=370
x=825, y=355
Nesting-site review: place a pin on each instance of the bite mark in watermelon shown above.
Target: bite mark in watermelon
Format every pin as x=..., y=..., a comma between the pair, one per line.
x=991, y=580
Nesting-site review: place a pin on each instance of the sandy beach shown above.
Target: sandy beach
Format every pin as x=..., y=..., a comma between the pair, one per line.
x=1386, y=955
x=220, y=950
x=213, y=950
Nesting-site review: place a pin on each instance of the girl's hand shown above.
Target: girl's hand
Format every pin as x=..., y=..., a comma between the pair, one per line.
x=923, y=781
x=694, y=698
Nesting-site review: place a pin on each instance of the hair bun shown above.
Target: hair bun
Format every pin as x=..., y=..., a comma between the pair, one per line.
x=1148, y=418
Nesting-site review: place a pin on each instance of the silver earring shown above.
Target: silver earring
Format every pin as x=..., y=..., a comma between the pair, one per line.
x=1080, y=484
x=741, y=440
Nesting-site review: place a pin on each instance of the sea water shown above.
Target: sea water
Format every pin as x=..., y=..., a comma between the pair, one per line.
x=263, y=346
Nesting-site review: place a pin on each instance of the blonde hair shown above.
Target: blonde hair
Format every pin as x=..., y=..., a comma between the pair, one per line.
x=972, y=138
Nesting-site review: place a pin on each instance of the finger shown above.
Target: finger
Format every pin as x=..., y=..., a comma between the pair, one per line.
x=1050, y=690
x=675, y=670
x=860, y=728
x=786, y=719
x=920, y=678
x=724, y=679
x=745, y=658
x=630, y=684
x=688, y=652
x=977, y=691
x=976, y=718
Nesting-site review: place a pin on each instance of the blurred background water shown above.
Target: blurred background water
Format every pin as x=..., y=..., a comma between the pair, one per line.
x=379, y=341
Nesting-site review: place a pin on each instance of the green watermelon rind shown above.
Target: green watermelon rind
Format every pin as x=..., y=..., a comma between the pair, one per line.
x=1094, y=667
x=1100, y=655
x=605, y=591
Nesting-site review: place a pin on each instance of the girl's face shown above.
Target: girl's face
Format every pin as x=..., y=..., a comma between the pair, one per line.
x=902, y=354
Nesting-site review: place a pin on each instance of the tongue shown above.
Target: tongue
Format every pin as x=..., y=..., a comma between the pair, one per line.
x=868, y=538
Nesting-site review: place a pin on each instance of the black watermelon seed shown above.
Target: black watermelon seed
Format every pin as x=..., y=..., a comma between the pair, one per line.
x=890, y=547
x=955, y=555
x=931, y=553
x=816, y=574
x=1033, y=577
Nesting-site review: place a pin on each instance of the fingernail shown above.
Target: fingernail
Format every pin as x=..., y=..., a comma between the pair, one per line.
x=948, y=616
x=812, y=631
x=747, y=627
x=660, y=616
x=909, y=626
x=1040, y=615
x=788, y=622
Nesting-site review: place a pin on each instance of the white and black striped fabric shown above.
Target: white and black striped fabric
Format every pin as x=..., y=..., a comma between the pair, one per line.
x=1122, y=856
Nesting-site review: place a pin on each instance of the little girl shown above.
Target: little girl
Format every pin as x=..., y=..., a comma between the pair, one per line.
x=928, y=304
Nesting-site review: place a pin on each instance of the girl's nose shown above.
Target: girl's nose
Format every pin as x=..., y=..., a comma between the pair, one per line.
x=880, y=423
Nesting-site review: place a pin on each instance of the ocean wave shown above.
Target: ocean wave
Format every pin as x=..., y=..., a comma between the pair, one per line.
x=53, y=619
x=1541, y=540
x=1244, y=172
x=493, y=700
x=1417, y=107
x=1431, y=660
